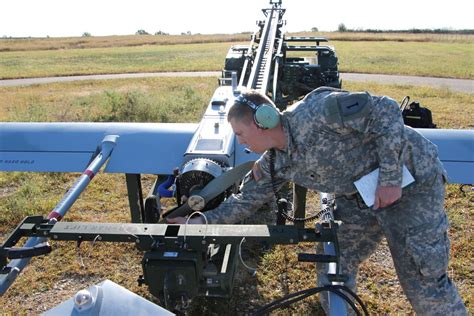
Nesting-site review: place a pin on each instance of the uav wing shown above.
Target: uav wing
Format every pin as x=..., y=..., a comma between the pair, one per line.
x=456, y=152
x=68, y=147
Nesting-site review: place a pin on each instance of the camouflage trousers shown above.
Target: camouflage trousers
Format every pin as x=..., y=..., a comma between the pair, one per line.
x=415, y=230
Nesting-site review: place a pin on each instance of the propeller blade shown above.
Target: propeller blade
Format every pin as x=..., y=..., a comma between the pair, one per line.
x=225, y=180
x=182, y=211
x=211, y=190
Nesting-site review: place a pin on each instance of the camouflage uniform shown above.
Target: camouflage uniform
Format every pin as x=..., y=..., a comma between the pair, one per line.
x=335, y=137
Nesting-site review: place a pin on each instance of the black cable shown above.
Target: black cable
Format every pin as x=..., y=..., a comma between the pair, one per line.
x=354, y=295
x=302, y=297
x=284, y=298
x=282, y=211
x=306, y=219
x=297, y=296
x=271, y=306
x=271, y=157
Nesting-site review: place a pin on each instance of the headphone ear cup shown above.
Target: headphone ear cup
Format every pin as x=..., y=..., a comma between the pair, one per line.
x=267, y=116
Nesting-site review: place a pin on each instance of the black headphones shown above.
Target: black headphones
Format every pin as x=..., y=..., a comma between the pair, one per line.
x=265, y=115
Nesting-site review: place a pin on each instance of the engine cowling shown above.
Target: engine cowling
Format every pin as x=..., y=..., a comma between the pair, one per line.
x=194, y=176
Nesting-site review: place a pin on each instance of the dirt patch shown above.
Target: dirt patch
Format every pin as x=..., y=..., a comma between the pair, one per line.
x=7, y=191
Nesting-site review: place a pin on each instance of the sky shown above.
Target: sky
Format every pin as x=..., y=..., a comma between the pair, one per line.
x=56, y=18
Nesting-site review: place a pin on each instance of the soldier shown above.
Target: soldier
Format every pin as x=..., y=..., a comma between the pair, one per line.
x=327, y=141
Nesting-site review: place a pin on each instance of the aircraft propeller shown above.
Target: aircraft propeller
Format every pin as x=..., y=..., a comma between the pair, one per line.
x=198, y=201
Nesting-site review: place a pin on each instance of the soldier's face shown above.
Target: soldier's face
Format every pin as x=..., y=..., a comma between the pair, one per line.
x=250, y=135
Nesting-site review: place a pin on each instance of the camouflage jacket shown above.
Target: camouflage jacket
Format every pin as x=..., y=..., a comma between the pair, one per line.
x=333, y=138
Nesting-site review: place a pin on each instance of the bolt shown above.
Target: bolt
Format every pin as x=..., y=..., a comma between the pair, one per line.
x=180, y=279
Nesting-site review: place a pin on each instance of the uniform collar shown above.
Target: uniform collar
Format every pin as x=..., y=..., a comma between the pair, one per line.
x=289, y=139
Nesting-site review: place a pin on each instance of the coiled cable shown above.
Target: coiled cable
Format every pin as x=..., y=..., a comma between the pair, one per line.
x=289, y=299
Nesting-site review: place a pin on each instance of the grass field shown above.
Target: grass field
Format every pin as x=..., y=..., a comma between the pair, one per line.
x=51, y=279
x=450, y=56
x=56, y=277
x=27, y=44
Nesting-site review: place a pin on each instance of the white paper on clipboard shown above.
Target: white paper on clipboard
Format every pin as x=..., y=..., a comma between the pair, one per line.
x=368, y=184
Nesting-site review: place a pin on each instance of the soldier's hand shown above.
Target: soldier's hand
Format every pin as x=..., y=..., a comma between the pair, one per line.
x=384, y=196
x=182, y=220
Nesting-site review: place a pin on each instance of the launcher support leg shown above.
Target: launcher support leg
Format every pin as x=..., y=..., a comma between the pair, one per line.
x=299, y=202
x=135, y=197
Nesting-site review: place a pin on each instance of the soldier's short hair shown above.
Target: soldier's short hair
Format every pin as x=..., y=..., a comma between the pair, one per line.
x=242, y=112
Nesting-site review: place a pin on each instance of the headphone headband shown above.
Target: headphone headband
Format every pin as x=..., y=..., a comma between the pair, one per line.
x=244, y=100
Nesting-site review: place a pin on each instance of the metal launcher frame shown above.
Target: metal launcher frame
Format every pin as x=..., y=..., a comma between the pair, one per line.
x=182, y=261
x=174, y=265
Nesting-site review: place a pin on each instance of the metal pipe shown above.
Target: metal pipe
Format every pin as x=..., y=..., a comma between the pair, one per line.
x=247, y=58
x=337, y=306
x=17, y=265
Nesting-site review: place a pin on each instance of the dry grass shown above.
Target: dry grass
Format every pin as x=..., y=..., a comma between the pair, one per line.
x=51, y=279
x=438, y=55
x=27, y=44
x=110, y=60
x=449, y=109
x=392, y=37
x=436, y=59
x=62, y=43
x=153, y=99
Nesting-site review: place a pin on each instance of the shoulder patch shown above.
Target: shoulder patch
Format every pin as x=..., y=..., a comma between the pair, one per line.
x=352, y=103
x=346, y=106
x=256, y=172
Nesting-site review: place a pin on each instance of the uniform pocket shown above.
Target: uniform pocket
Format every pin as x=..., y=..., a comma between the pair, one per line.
x=428, y=246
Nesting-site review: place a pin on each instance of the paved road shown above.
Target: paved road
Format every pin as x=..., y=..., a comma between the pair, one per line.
x=456, y=85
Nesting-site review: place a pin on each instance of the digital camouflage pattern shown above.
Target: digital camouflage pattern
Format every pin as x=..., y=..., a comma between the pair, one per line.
x=415, y=230
x=334, y=137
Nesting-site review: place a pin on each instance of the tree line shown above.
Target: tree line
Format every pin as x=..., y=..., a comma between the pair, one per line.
x=342, y=28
